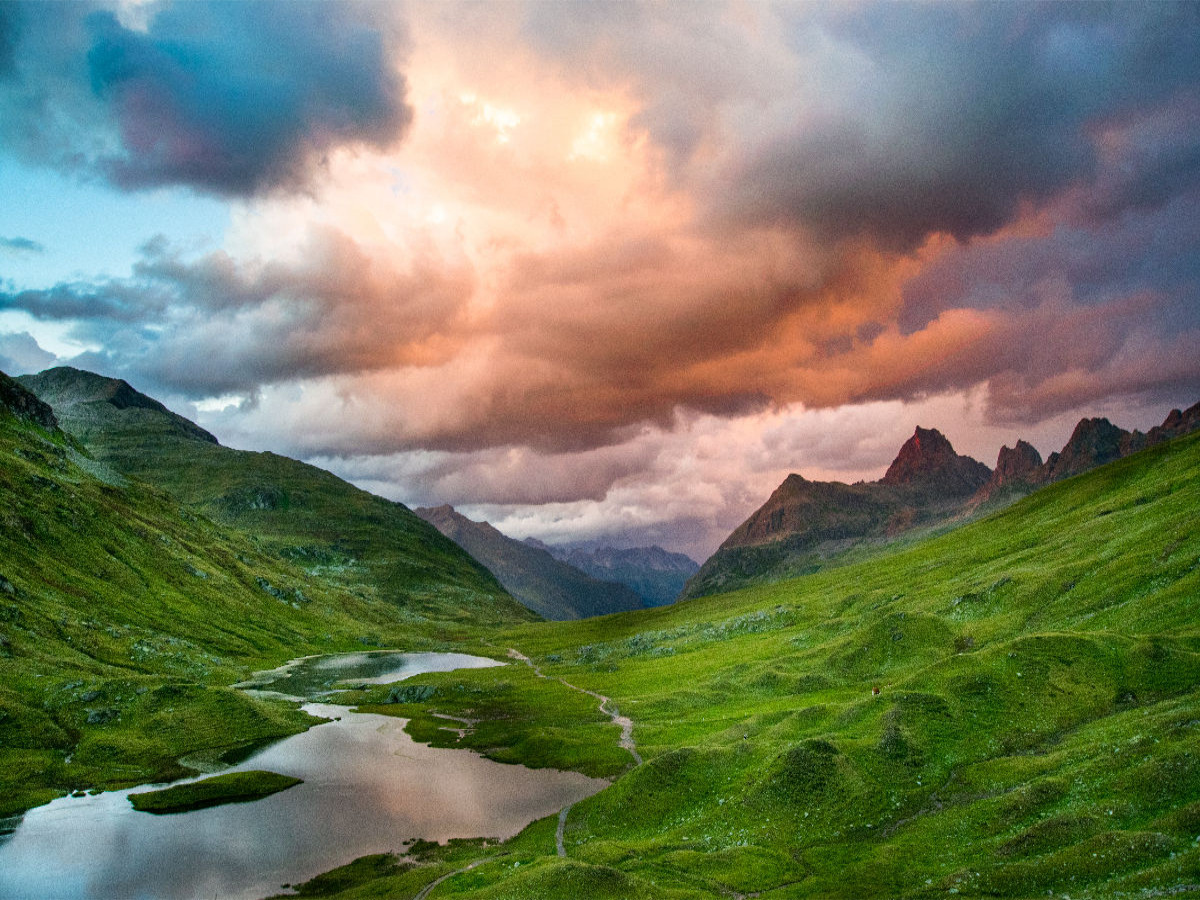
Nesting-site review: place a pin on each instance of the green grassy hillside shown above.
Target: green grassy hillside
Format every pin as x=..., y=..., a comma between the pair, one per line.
x=125, y=616
x=369, y=545
x=1036, y=729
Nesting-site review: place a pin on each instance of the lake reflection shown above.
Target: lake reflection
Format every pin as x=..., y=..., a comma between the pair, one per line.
x=368, y=787
x=314, y=677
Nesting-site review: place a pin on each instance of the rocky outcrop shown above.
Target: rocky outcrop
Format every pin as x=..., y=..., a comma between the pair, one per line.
x=928, y=460
x=1094, y=442
x=25, y=405
x=1017, y=468
x=804, y=523
x=1175, y=425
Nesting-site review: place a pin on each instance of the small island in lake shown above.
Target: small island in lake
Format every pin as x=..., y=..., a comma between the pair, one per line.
x=234, y=787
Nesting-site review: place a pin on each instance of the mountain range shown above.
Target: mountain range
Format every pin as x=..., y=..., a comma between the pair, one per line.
x=657, y=575
x=548, y=586
x=998, y=703
x=805, y=525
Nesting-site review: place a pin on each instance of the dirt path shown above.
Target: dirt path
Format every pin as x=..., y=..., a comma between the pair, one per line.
x=429, y=887
x=625, y=741
x=625, y=723
x=562, y=827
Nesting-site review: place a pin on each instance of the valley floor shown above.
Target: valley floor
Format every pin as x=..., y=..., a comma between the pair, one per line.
x=1010, y=709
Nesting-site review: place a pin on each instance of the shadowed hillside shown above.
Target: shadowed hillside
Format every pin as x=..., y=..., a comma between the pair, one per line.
x=548, y=586
x=125, y=616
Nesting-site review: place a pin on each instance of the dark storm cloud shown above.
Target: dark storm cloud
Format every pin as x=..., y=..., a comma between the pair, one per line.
x=226, y=98
x=208, y=326
x=892, y=121
x=1141, y=251
x=944, y=118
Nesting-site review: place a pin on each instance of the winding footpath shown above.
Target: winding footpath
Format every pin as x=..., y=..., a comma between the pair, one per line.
x=624, y=722
x=429, y=887
x=625, y=742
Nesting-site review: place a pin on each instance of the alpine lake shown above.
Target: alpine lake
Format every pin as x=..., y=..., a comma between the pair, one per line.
x=367, y=788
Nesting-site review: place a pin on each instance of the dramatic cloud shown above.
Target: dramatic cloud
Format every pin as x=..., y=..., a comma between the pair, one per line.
x=212, y=326
x=614, y=233
x=230, y=98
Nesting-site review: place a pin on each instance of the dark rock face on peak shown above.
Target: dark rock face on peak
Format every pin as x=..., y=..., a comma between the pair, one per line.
x=806, y=523
x=548, y=586
x=86, y=401
x=928, y=460
x=1017, y=463
x=818, y=510
x=1017, y=468
x=25, y=405
x=1093, y=443
x=1177, y=423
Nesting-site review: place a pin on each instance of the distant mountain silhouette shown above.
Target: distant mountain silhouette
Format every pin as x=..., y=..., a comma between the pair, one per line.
x=548, y=586
x=657, y=575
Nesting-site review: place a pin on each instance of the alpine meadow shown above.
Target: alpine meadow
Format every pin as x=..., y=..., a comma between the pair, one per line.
x=544, y=451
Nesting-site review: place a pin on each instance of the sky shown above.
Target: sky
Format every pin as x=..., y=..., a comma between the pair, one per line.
x=607, y=271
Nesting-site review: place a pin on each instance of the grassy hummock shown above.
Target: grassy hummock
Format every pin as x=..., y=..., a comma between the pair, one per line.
x=234, y=787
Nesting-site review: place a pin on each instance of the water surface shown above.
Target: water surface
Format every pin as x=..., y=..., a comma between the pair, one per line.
x=316, y=677
x=368, y=788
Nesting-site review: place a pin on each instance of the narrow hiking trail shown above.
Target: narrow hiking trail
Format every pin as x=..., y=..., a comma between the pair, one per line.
x=625, y=741
x=425, y=891
x=624, y=722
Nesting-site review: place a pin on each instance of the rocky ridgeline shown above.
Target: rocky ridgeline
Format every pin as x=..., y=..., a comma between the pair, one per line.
x=1093, y=443
x=805, y=523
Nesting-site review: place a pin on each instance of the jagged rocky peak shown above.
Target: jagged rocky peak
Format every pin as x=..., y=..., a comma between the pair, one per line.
x=1016, y=467
x=1177, y=423
x=25, y=405
x=928, y=459
x=1093, y=443
x=1016, y=463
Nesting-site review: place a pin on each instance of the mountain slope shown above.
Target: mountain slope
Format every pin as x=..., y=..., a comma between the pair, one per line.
x=1007, y=709
x=656, y=575
x=804, y=525
x=124, y=618
x=548, y=586
x=804, y=522
x=297, y=511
